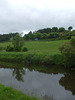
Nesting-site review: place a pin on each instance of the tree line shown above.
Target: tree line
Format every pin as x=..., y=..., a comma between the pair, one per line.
x=46, y=33
x=7, y=37
x=50, y=33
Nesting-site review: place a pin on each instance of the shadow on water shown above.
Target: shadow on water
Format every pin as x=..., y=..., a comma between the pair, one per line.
x=68, y=81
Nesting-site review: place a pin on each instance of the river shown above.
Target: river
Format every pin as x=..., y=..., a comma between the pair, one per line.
x=52, y=84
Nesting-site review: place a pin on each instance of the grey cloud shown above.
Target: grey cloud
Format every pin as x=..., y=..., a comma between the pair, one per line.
x=28, y=18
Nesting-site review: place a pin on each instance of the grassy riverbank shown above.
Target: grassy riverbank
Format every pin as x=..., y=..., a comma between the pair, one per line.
x=39, y=52
x=7, y=93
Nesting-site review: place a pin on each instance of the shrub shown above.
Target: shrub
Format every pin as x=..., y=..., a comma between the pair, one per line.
x=48, y=60
x=9, y=48
x=68, y=50
x=24, y=49
x=73, y=41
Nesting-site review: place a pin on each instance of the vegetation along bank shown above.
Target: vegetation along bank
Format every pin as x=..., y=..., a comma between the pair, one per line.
x=39, y=52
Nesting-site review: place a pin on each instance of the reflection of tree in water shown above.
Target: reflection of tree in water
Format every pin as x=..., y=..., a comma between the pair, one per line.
x=47, y=98
x=68, y=81
x=18, y=73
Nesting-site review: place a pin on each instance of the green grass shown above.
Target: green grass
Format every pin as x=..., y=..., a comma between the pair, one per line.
x=44, y=47
x=40, y=47
x=7, y=93
x=39, y=52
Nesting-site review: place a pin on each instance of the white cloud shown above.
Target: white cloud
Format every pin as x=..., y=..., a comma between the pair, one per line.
x=26, y=15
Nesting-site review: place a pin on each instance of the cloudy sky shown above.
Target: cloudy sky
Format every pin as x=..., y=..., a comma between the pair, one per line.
x=26, y=15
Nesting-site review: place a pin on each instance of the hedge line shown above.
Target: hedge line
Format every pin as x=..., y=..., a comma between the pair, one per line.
x=57, y=59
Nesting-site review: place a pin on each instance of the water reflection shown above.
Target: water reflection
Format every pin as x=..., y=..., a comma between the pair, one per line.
x=48, y=98
x=68, y=82
x=18, y=73
x=42, y=82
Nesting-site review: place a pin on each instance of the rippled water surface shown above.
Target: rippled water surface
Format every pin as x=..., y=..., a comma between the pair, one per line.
x=48, y=86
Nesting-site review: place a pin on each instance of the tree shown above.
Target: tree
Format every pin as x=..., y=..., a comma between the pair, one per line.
x=54, y=29
x=68, y=50
x=18, y=42
x=44, y=36
x=31, y=36
x=70, y=28
x=61, y=29
x=73, y=41
x=45, y=30
x=30, y=32
x=39, y=35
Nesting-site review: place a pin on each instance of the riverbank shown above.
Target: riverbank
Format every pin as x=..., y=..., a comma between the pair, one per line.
x=7, y=93
x=27, y=58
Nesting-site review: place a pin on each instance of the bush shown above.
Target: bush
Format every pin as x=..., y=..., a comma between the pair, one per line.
x=24, y=49
x=68, y=50
x=73, y=41
x=48, y=60
x=9, y=48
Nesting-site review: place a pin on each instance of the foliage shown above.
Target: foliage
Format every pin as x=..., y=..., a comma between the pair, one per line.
x=24, y=49
x=6, y=37
x=54, y=33
x=54, y=29
x=39, y=52
x=6, y=93
x=73, y=41
x=17, y=42
x=48, y=60
x=70, y=28
x=45, y=30
x=61, y=29
x=68, y=50
x=30, y=58
x=46, y=33
x=9, y=48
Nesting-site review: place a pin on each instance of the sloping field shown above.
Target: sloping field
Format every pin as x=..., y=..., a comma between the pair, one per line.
x=40, y=47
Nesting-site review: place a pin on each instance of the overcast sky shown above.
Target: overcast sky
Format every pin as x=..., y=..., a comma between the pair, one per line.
x=26, y=15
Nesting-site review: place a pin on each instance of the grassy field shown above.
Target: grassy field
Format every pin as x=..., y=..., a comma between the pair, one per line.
x=40, y=47
x=7, y=93
x=39, y=52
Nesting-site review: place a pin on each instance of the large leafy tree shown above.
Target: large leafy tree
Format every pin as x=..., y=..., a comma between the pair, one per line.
x=18, y=42
x=54, y=29
x=61, y=29
x=70, y=28
x=68, y=50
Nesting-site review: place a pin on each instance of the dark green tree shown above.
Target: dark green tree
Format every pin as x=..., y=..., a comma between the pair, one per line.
x=54, y=29
x=70, y=28
x=68, y=51
x=61, y=29
x=30, y=32
x=39, y=35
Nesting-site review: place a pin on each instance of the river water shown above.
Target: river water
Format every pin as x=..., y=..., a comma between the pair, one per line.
x=51, y=85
